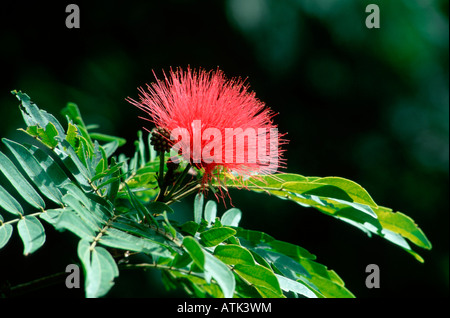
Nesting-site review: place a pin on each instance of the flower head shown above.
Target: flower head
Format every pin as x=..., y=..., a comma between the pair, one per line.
x=216, y=123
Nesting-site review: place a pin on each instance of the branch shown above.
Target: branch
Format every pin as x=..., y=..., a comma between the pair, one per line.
x=33, y=285
x=162, y=267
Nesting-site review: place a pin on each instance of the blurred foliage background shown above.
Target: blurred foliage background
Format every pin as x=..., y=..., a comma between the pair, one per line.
x=371, y=105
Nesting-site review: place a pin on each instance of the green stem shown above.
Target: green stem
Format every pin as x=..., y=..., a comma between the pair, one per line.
x=184, y=194
x=179, y=180
x=161, y=183
x=25, y=215
x=36, y=284
x=161, y=168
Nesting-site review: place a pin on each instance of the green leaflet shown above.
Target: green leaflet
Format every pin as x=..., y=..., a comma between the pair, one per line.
x=262, y=278
x=101, y=172
x=127, y=242
x=32, y=115
x=330, y=289
x=6, y=231
x=287, y=284
x=400, y=241
x=286, y=265
x=168, y=226
x=50, y=166
x=159, y=208
x=259, y=259
x=151, y=237
x=357, y=193
x=142, y=210
x=221, y=274
x=114, y=182
x=89, y=219
x=100, y=269
x=110, y=147
x=233, y=254
x=8, y=203
x=210, y=212
x=327, y=281
x=20, y=183
x=254, y=236
x=195, y=251
x=32, y=234
x=72, y=112
x=231, y=217
x=190, y=227
x=402, y=224
x=46, y=136
x=198, y=208
x=40, y=177
x=67, y=219
x=72, y=134
x=101, y=166
x=294, y=251
x=216, y=236
x=181, y=260
x=73, y=163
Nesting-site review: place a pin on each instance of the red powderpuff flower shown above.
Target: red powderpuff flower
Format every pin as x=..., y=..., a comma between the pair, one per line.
x=216, y=123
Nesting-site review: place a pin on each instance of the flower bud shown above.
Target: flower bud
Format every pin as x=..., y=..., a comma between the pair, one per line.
x=160, y=139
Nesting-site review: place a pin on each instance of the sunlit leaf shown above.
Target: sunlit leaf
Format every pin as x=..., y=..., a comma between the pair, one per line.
x=343, y=199
x=195, y=251
x=231, y=217
x=294, y=251
x=260, y=276
x=216, y=236
x=210, y=211
x=402, y=224
x=48, y=135
x=221, y=274
x=287, y=284
x=283, y=263
x=72, y=134
x=233, y=254
x=198, y=208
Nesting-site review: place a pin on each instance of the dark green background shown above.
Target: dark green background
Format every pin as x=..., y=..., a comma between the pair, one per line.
x=370, y=105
